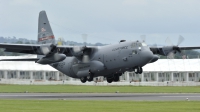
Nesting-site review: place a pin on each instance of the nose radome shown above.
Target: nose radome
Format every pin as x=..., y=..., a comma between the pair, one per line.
x=154, y=59
x=146, y=56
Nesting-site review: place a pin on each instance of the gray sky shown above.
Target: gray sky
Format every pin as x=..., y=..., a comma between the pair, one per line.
x=105, y=21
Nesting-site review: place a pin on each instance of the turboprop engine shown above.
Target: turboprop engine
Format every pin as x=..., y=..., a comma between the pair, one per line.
x=91, y=68
x=49, y=54
x=96, y=66
x=51, y=58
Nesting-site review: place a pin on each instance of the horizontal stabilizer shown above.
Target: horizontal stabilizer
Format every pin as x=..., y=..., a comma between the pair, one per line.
x=28, y=59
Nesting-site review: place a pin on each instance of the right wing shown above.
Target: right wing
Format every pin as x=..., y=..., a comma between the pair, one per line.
x=36, y=48
x=23, y=59
x=21, y=48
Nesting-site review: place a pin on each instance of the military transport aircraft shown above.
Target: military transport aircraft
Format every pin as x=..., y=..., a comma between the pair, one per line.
x=87, y=62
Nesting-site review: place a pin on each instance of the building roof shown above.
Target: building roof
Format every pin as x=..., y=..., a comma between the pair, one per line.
x=23, y=65
x=175, y=65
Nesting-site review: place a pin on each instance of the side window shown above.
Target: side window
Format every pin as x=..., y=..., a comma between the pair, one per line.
x=134, y=52
x=133, y=45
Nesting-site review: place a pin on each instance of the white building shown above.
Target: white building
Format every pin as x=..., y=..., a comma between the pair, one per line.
x=178, y=70
x=162, y=72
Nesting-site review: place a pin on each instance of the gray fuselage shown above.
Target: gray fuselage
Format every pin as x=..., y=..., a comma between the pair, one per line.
x=116, y=58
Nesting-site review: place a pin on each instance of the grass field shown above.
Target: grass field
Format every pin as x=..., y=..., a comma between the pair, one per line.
x=95, y=89
x=96, y=106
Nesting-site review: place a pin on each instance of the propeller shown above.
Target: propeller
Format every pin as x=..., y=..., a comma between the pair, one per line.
x=48, y=49
x=85, y=58
x=175, y=48
x=180, y=40
x=143, y=37
x=77, y=49
x=80, y=52
x=156, y=47
x=84, y=36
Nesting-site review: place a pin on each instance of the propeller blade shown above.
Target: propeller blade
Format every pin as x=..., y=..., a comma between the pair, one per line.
x=45, y=50
x=180, y=40
x=143, y=37
x=85, y=59
x=168, y=42
x=155, y=45
x=170, y=55
x=176, y=48
x=76, y=49
x=84, y=36
x=156, y=48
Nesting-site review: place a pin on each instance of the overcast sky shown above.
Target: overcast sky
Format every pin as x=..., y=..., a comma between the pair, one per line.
x=105, y=21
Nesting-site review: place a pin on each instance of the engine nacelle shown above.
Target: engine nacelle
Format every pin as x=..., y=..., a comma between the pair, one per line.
x=154, y=59
x=96, y=66
x=92, y=68
x=52, y=59
x=167, y=49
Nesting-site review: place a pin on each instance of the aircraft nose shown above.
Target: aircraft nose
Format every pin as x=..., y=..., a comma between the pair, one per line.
x=146, y=57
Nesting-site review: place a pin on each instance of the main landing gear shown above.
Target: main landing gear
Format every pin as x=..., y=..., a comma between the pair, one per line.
x=138, y=70
x=114, y=78
x=88, y=78
x=83, y=79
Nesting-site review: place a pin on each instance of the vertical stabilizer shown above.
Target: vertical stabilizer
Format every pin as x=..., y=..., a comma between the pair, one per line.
x=45, y=34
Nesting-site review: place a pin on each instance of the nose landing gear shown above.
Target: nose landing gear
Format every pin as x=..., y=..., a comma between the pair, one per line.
x=138, y=70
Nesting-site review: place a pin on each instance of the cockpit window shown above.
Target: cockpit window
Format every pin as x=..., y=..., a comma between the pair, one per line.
x=143, y=44
x=139, y=44
x=133, y=45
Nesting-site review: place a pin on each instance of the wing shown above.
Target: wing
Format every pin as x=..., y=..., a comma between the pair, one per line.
x=165, y=50
x=36, y=48
x=24, y=59
x=189, y=48
x=20, y=48
x=68, y=50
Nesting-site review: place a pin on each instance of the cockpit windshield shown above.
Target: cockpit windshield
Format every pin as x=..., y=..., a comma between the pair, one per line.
x=138, y=44
x=143, y=44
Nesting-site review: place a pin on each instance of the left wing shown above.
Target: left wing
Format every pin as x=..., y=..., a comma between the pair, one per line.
x=189, y=48
x=165, y=50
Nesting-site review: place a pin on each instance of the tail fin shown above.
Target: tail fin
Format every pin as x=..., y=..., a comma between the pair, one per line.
x=45, y=34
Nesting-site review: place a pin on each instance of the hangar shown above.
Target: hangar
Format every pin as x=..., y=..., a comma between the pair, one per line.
x=163, y=71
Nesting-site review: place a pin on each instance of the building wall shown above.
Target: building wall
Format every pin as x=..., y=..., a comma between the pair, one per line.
x=127, y=76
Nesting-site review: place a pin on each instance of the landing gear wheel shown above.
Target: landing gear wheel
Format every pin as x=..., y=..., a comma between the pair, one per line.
x=83, y=79
x=90, y=77
x=141, y=70
x=120, y=74
x=109, y=80
x=116, y=78
x=136, y=70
